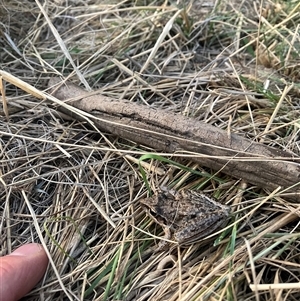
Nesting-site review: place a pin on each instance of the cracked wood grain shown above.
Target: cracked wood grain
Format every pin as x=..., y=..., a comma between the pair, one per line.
x=208, y=145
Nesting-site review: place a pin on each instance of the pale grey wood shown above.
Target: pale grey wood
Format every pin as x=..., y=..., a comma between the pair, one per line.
x=232, y=154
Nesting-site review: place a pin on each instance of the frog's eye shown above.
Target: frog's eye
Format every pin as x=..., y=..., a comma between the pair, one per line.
x=154, y=213
x=151, y=212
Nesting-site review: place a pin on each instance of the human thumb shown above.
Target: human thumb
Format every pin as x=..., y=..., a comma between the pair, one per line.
x=21, y=270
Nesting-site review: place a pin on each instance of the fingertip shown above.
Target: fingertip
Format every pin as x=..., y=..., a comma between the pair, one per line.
x=21, y=270
x=28, y=250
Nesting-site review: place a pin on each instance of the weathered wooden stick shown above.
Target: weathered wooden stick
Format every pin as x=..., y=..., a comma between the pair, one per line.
x=208, y=145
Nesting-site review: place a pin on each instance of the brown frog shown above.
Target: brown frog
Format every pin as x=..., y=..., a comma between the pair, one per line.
x=187, y=214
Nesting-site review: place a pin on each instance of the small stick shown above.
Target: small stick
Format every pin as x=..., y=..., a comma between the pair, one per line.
x=203, y=143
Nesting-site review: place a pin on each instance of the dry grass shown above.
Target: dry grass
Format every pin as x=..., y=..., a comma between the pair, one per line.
x=234, y=64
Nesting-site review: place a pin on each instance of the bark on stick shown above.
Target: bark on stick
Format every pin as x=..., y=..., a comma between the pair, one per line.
x=208, y=145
